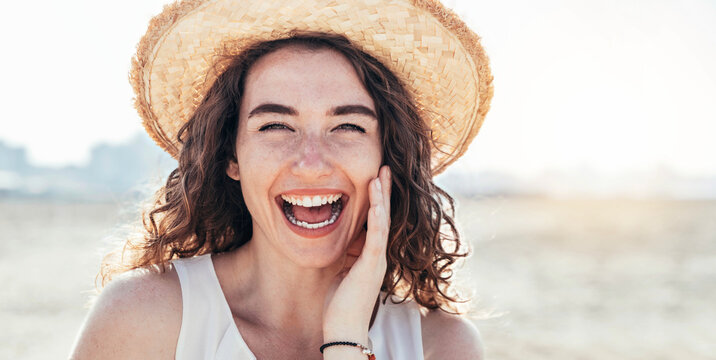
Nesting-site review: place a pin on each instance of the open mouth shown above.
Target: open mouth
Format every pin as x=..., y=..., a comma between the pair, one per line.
x=312, y=212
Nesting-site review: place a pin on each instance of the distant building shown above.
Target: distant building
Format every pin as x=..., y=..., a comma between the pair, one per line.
x=113, y=170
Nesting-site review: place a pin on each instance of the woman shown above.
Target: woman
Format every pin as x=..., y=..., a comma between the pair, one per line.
x=302, y=221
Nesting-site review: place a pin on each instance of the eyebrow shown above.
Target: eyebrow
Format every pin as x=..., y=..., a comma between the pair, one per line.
x=270, y=108
x=353, y=109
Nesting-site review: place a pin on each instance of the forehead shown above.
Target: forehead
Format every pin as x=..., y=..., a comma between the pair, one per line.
x=296, y=74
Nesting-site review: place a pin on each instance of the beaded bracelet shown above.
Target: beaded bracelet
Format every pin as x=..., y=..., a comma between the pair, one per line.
x=367, y=351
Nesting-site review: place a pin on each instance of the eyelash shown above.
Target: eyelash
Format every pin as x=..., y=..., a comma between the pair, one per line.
x=274, y=126
x=278, y=126
x=351, y=127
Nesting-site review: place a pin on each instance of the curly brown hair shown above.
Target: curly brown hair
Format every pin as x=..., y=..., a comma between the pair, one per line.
x=201, y=210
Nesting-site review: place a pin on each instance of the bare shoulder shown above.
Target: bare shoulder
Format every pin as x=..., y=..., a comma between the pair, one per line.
x=447, y=336
x=136, y=316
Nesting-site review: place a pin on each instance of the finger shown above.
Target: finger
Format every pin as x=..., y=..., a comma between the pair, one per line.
x=376, y=236
x=386, y=183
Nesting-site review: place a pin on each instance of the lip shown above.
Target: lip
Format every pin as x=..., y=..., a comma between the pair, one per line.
x=324, y=191
x=312, y=233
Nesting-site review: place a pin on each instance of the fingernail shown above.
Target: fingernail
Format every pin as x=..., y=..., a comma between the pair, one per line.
x=377, y=184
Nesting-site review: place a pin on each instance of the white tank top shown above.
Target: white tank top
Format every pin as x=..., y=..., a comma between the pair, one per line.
x=208, y=330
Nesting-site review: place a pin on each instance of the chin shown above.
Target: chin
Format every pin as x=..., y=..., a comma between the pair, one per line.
x=317, y=257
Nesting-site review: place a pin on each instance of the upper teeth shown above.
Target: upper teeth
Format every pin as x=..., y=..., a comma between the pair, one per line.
x=310, y=201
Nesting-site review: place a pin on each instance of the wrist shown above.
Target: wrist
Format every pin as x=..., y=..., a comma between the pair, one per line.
x=344, y=353
x=342, y=350
x=355, y=335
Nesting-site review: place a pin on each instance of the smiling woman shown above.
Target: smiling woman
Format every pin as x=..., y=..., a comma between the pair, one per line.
x=302, y=220
x=302, y=136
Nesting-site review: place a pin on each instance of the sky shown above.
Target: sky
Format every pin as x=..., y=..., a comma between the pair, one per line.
x=610, y=86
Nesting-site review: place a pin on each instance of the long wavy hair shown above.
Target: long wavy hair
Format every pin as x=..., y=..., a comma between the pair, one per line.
x=201, y=210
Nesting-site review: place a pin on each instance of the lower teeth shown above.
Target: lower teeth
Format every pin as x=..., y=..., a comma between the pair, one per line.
x=335, y=211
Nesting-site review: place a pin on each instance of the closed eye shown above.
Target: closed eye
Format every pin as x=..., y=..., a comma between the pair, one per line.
x=275, y=126
x=350, y=127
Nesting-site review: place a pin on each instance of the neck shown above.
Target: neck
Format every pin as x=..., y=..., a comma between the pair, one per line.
x=271, y=292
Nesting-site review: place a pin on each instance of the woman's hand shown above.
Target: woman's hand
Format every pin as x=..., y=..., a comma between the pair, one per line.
x=349, y=304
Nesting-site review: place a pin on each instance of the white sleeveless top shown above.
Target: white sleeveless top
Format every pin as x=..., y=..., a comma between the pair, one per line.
x=208, y=330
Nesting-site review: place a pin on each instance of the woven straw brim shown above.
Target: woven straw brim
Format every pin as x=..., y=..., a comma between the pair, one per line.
x=436, y=56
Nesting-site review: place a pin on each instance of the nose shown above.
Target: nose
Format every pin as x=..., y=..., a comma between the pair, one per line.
x=313, y=159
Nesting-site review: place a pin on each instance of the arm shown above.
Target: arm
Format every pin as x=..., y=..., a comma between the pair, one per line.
x=137, y=316
x=450, y=337
x=350, y=304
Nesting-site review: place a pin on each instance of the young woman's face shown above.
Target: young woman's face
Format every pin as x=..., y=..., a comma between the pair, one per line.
x=308, y=144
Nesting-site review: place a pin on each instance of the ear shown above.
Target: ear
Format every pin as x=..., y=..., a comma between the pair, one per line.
x=233, y=170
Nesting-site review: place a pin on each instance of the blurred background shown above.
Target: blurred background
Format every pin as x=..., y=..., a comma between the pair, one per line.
x=588, y=199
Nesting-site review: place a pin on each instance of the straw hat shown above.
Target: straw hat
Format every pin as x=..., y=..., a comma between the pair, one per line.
x=435, y=55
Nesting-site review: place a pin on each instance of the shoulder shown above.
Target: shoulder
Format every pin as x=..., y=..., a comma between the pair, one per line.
x=137, y=315
x=448, y=336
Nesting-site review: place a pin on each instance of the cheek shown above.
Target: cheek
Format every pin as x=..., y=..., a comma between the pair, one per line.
x=261, y=155
x=258, y=167
x=365, y=154
x=361, y=164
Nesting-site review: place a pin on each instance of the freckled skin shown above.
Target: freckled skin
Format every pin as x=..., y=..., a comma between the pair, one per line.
x=313, y=148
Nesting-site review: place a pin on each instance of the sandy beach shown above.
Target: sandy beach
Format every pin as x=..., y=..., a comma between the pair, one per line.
x=552, y=279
